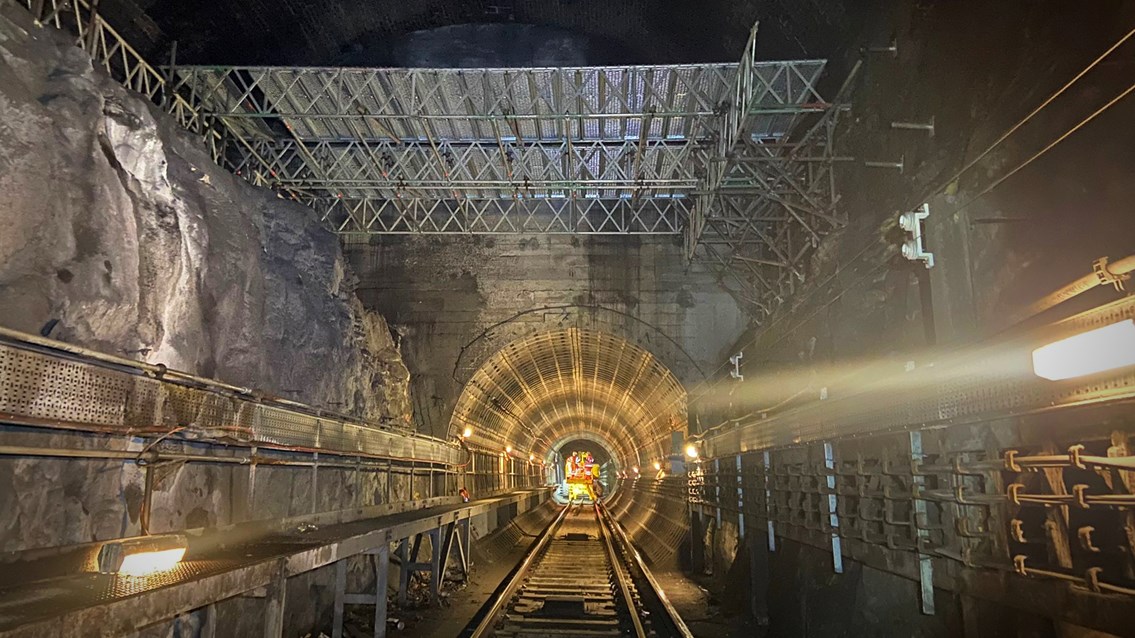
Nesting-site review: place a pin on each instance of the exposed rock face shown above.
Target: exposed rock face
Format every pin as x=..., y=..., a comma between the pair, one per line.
x=116, y=223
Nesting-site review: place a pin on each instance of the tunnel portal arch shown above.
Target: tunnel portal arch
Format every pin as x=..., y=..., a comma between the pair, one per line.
x=548, y=387
x=664, y=346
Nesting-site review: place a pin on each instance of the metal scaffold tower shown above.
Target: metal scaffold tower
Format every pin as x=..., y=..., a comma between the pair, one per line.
x=738, y=158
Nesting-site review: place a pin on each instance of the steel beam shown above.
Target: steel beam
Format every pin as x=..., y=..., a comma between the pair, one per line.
x=644, y=150
x=76, y=604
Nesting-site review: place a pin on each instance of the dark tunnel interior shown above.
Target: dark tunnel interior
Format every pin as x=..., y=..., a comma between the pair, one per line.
x=641, y=318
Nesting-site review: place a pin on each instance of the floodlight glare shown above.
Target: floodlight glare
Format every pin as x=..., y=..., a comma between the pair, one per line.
x=468, y=432
x=142, y=556
x=657, y=466
x=1099, y=350
x=692, y=451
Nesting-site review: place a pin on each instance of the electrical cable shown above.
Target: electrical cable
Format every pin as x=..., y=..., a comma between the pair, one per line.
x=969, y=165
x=1050, y=146
x=1035, y=111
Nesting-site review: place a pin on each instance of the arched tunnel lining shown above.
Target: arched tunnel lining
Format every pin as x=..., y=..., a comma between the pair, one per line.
x=540, y=389
x=540, y=393
x=600, y=452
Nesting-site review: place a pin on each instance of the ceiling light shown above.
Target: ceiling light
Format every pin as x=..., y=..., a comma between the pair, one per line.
x=1099, y=350
x=635, y=469
x=531, y=457
x=468, y=432
x=692, y=451
x=508, y=449
x=657, y=466
x=142, y=556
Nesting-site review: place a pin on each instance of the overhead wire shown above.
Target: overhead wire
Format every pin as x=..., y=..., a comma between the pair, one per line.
x=1049, y=147
x=1038, y=109
x=704, y=385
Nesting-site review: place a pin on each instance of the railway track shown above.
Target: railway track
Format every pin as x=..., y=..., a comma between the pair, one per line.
x=582, y=577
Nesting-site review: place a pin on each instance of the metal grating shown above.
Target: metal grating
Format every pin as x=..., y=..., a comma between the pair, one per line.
x=545, y=150
x=591, y=150
x=737, y=157
x=41, y=388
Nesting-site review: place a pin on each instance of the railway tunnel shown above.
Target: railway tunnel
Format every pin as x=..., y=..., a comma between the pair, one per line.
x=566, y=318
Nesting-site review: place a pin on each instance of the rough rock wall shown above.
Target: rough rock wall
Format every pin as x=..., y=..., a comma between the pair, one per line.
x=116, y=224
x=458, y=300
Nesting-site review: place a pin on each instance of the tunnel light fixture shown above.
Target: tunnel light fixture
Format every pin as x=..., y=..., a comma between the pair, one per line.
x=657, y=466
x=142, y=556
x=467, y=432
x=1108, y=348
x=692, y=451
x=531, y=457
x=635, y=469
x=508, y=449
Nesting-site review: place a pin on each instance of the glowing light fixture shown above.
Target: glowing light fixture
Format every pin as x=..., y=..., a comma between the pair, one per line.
x=150, y=562
x=657, y=466
x=1099, y=350
x=142, y=556
x=531, y=457
x=692, y=451
x=468, y=432
x=635, y=469
x=508, y=449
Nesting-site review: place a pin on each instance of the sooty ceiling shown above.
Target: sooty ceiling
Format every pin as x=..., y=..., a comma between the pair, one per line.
x=533, y=32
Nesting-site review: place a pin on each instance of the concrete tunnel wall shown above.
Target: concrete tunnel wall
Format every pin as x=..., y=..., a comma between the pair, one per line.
x=570, y=383
x=876, y=314
x=977, y=68
x=454, y=302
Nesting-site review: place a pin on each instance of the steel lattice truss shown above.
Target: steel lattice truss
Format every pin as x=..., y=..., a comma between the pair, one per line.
x=737, y=157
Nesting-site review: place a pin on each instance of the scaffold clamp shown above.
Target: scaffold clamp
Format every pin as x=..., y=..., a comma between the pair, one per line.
x=1099, y=267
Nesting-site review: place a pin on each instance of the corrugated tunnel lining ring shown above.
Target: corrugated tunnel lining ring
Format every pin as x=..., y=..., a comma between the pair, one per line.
x=546, y=386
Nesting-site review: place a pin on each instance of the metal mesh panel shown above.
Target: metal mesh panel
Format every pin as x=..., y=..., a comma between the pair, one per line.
x=40, y=387
x=37, y=388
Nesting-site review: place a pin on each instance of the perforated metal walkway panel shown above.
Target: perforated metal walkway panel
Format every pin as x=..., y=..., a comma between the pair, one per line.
x=58, y=390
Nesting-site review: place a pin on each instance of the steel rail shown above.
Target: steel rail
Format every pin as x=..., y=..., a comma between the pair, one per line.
x=619, y=570
x=520, y=605
x=488, y=623
x=672, y=616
